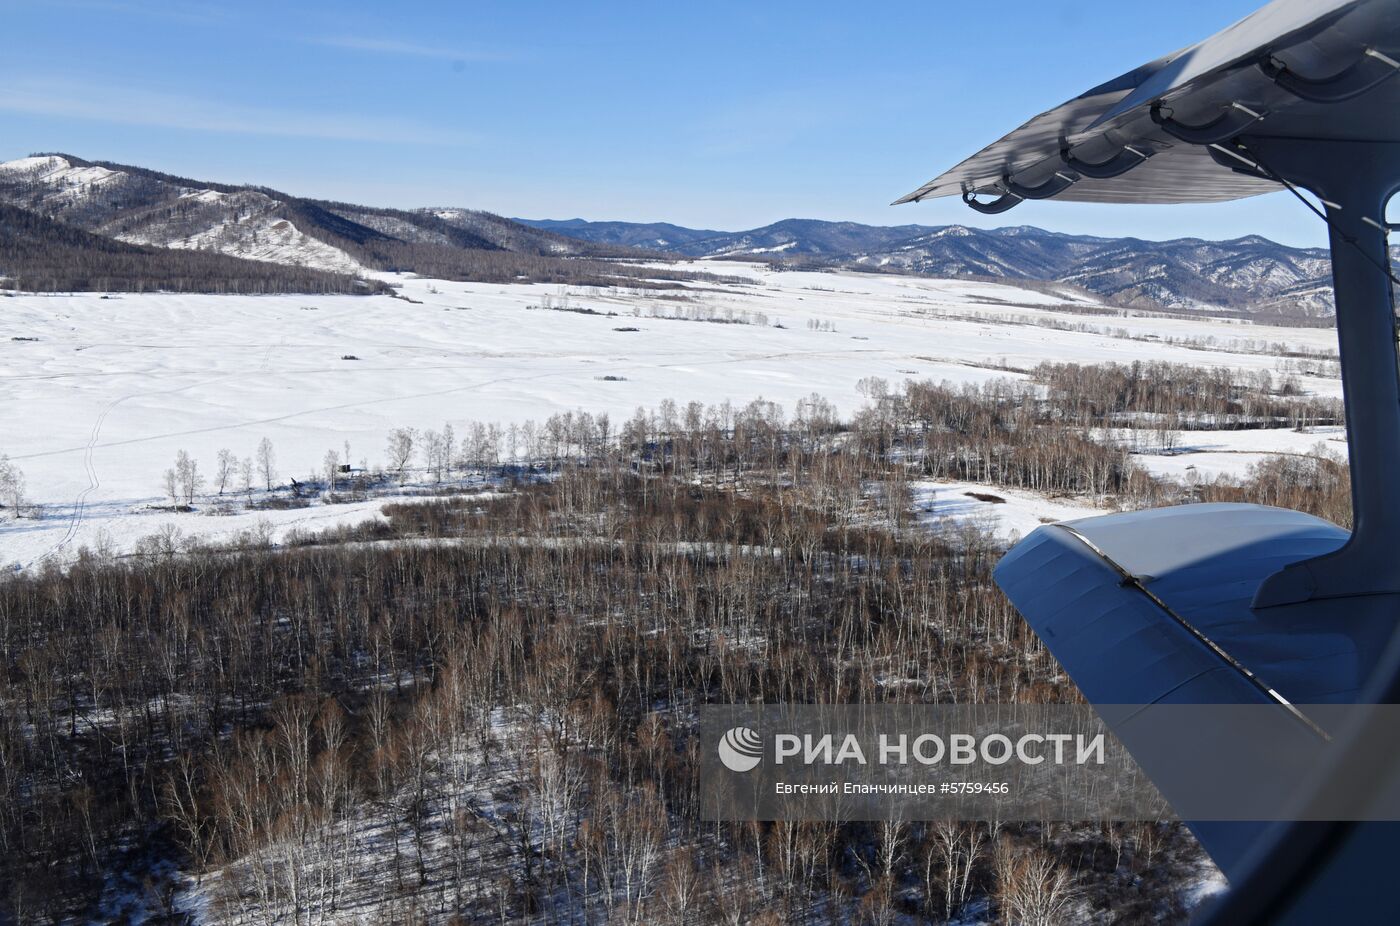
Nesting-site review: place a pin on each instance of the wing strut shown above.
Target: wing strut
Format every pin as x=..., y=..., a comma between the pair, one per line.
x=1354, y=180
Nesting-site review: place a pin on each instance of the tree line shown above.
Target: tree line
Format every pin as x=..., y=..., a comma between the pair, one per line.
x=480, y=707
x=1144, y=392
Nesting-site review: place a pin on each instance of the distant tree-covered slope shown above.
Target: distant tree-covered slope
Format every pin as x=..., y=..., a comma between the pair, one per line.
x=653, y=236
x=1249, y=274
x=40, y=254
x=139, y=206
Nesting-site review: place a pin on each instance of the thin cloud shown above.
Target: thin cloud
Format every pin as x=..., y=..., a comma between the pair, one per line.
x=404, y=48
x=103, y=103
x=195, y=13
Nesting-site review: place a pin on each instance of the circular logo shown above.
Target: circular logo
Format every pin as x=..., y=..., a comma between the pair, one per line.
x=741, y=749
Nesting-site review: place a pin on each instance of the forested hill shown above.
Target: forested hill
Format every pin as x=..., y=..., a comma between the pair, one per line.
x=42, y=255
x=323, y=245
x=1250, y=274
x=141, y=207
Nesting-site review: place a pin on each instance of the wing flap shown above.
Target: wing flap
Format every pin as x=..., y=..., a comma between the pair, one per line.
x=1153, y=607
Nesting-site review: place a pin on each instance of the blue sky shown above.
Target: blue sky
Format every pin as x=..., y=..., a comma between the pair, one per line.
x=716, y=114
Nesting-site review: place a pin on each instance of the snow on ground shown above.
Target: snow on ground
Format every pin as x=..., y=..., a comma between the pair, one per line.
x=67, y=180
x=119, y=527
x=267, y=238
x=1204, y=455
x=1007, y=514
x=245, y=224
x=96, y=408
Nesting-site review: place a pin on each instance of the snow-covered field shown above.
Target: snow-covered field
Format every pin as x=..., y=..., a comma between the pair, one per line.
x=1203, y=455
x=945, y=507
x=96, y=407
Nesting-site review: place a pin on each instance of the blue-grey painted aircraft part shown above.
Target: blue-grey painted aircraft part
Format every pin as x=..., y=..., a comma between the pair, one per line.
x=1312, y=40
x=1241, y=603
x=1152, y=607
x=1126, y=603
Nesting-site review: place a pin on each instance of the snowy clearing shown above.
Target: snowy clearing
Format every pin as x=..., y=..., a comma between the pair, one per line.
x=1203, y=455
x=1007, y=514
x=101, y=392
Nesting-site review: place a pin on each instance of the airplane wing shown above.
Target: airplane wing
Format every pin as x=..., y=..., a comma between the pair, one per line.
x=1241, y=604
x=1217, y=84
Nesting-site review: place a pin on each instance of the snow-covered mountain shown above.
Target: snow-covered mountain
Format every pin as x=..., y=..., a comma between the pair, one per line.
x=135, y=205
x=790, y=236
x=139, y=208
x=1249, y=274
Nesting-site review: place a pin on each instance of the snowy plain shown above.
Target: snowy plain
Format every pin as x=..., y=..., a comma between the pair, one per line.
x=99, y=393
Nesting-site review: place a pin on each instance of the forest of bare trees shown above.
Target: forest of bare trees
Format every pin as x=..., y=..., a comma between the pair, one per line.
x=481, y=708
x=1144, y=393
x=39, y=254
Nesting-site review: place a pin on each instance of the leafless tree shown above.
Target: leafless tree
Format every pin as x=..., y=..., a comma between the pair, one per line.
x=11, y=486
x=1031, y=888
x=399, y=450
x=245, y=478
x=187, y=477
x=267, y=462
x=224, y=469
x=437, y=452
x=170, y=481
x=330, y=465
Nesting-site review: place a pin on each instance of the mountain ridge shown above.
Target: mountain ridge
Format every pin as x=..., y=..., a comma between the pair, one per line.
x=148, y=208
x=39, y=254
x=145, y=207
x=1249, y=273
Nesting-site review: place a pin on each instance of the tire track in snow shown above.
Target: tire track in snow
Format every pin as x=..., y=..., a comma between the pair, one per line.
x=299, y=413
x=366, y=403
x=75, y=520
x=94, y=483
